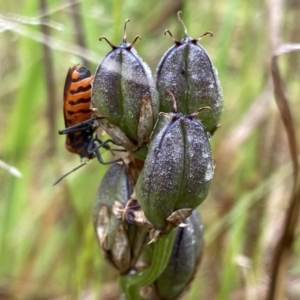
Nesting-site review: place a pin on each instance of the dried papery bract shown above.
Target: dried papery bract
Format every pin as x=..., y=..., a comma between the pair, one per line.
x=124, y=93
x=120, y=242
x=188, y=73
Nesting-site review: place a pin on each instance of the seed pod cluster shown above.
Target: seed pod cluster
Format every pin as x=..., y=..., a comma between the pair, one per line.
x=164, y=125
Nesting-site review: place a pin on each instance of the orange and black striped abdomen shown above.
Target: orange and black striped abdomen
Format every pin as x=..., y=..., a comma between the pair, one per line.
x=77, y=96
x=77, y=100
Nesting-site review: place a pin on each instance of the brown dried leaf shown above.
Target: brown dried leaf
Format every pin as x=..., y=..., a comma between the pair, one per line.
x=283, y=248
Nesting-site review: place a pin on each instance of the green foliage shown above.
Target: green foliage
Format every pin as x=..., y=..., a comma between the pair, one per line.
x=47, y=245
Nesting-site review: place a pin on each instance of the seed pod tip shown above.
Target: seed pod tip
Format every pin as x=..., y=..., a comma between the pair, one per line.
x=183, y=25
x=108, y=42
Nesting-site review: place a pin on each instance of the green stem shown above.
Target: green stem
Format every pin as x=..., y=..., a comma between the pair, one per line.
x=130, y=284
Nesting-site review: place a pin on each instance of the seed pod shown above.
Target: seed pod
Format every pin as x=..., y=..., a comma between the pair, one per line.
x=121, y=243
x=184, y=260
x=123, y=91
x=177, y=171
x=188, y=73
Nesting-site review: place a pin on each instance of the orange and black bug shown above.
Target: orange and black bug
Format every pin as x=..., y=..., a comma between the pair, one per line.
x=79, y=120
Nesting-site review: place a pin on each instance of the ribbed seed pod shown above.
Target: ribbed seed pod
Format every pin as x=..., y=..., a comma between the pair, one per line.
x=184, y=260
x=177, y=171
x=187, y=72
x=123, y=91
x=121, y=243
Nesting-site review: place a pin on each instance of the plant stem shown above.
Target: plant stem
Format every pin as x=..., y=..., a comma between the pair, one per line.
x=130, y=284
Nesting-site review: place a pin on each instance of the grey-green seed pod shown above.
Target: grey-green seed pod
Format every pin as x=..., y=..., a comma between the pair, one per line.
x=123, y=91
x=177, y=171
x=121, y=243
x=188, y=73
x=184, y=260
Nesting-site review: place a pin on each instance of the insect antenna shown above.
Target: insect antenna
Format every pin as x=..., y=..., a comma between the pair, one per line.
x=65, y=175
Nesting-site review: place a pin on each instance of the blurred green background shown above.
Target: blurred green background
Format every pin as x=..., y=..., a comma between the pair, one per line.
x=47, y=245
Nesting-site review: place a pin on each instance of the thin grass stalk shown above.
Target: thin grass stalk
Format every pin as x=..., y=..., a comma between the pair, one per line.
x=284, y=247
x=79, y=30
x=50, y=82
